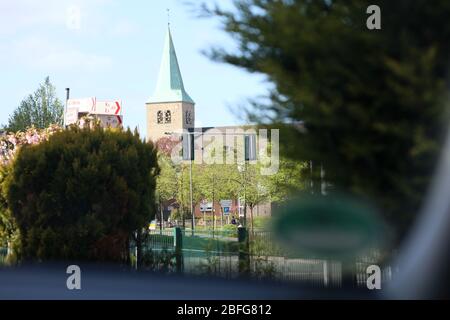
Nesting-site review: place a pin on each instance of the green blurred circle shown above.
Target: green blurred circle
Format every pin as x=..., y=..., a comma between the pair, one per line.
x=329, y=226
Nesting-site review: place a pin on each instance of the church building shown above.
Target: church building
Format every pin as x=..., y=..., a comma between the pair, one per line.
x=172, y=110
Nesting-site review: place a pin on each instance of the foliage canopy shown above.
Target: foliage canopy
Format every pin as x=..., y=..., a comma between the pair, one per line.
x=81, y=194
x=373, y=103
x=40, y=110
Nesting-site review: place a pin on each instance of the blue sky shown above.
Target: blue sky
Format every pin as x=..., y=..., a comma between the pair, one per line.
x=114, y=52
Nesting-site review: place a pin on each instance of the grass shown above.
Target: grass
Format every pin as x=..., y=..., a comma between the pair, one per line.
x=216, y=244
x=221, y=242
x=195, y=242
x=261, y=222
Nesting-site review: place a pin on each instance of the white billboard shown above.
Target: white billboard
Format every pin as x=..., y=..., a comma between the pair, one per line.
x=226, y=203
x=113, y=107
x=85, y=105
x=71, y=116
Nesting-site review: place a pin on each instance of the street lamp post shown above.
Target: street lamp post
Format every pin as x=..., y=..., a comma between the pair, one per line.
x=65, y=106
x=213, y=206
x=189, y=156
x=192, y=202
x=160, y=215
x=245, y=192
x=249, y=155
x=180, y=185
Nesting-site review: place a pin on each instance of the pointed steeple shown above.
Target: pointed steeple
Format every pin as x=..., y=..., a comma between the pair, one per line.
x=170, y=87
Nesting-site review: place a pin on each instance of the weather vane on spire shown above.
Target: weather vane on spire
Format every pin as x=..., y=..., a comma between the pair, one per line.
x=168, y=17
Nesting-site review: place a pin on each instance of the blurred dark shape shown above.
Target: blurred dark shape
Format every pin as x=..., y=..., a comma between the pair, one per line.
x=48, y=282
x=332, y=227
x=373, y=103
x=424, y=261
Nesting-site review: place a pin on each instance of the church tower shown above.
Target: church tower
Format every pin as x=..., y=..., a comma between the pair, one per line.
x=170, y=108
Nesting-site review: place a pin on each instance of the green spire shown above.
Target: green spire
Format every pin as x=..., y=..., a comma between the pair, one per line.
x=170, y=86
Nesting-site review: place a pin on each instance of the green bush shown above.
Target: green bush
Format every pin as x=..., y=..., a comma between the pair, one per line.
x=9, y=233
x=81, y=194
x=261, y=222
x=163, y=261
x=229, y=230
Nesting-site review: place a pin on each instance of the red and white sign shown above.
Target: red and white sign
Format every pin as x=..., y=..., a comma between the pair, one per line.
x=83, y=105
x=110, y=121
x=108, y=112
x=108, y=107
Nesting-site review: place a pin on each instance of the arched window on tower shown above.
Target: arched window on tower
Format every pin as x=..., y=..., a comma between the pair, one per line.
x=168, y=117
x=188, y=117
x=159, y=117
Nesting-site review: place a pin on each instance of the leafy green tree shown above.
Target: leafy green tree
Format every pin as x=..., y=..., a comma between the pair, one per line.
x=277, y=187
x=256, y=189
x=291, y=178
x=219, y=182
x=198, y=186
x=82, y=194
x=40, y=109
x=166, y=183
x=183, y=193
x=370, y=106
x=215, y=181
x=173, y=184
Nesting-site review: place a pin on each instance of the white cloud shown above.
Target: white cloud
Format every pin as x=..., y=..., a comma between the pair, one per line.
x=74, y=60
x=124, y=28
x=45, y=34
x=39, y=53
x=25, y=15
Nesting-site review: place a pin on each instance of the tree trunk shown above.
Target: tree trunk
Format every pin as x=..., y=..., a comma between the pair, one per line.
x=127, y=252
x=251, y=219
x=138, y=249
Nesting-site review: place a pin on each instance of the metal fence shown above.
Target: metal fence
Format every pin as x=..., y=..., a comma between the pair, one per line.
x=290, y=266
x=374, y=257
x=211, y=263
x=157, y=251
x=213, y=254
x=222, y=255
x=268, y=259
x=160, y=239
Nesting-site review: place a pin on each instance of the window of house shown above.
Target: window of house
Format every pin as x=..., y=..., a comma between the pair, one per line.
x=159, y=117
x=168, y=117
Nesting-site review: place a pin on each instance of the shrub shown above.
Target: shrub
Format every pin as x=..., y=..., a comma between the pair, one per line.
x=81, y=194
x=163, y=261
x=230, y=230
x=10, y=145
